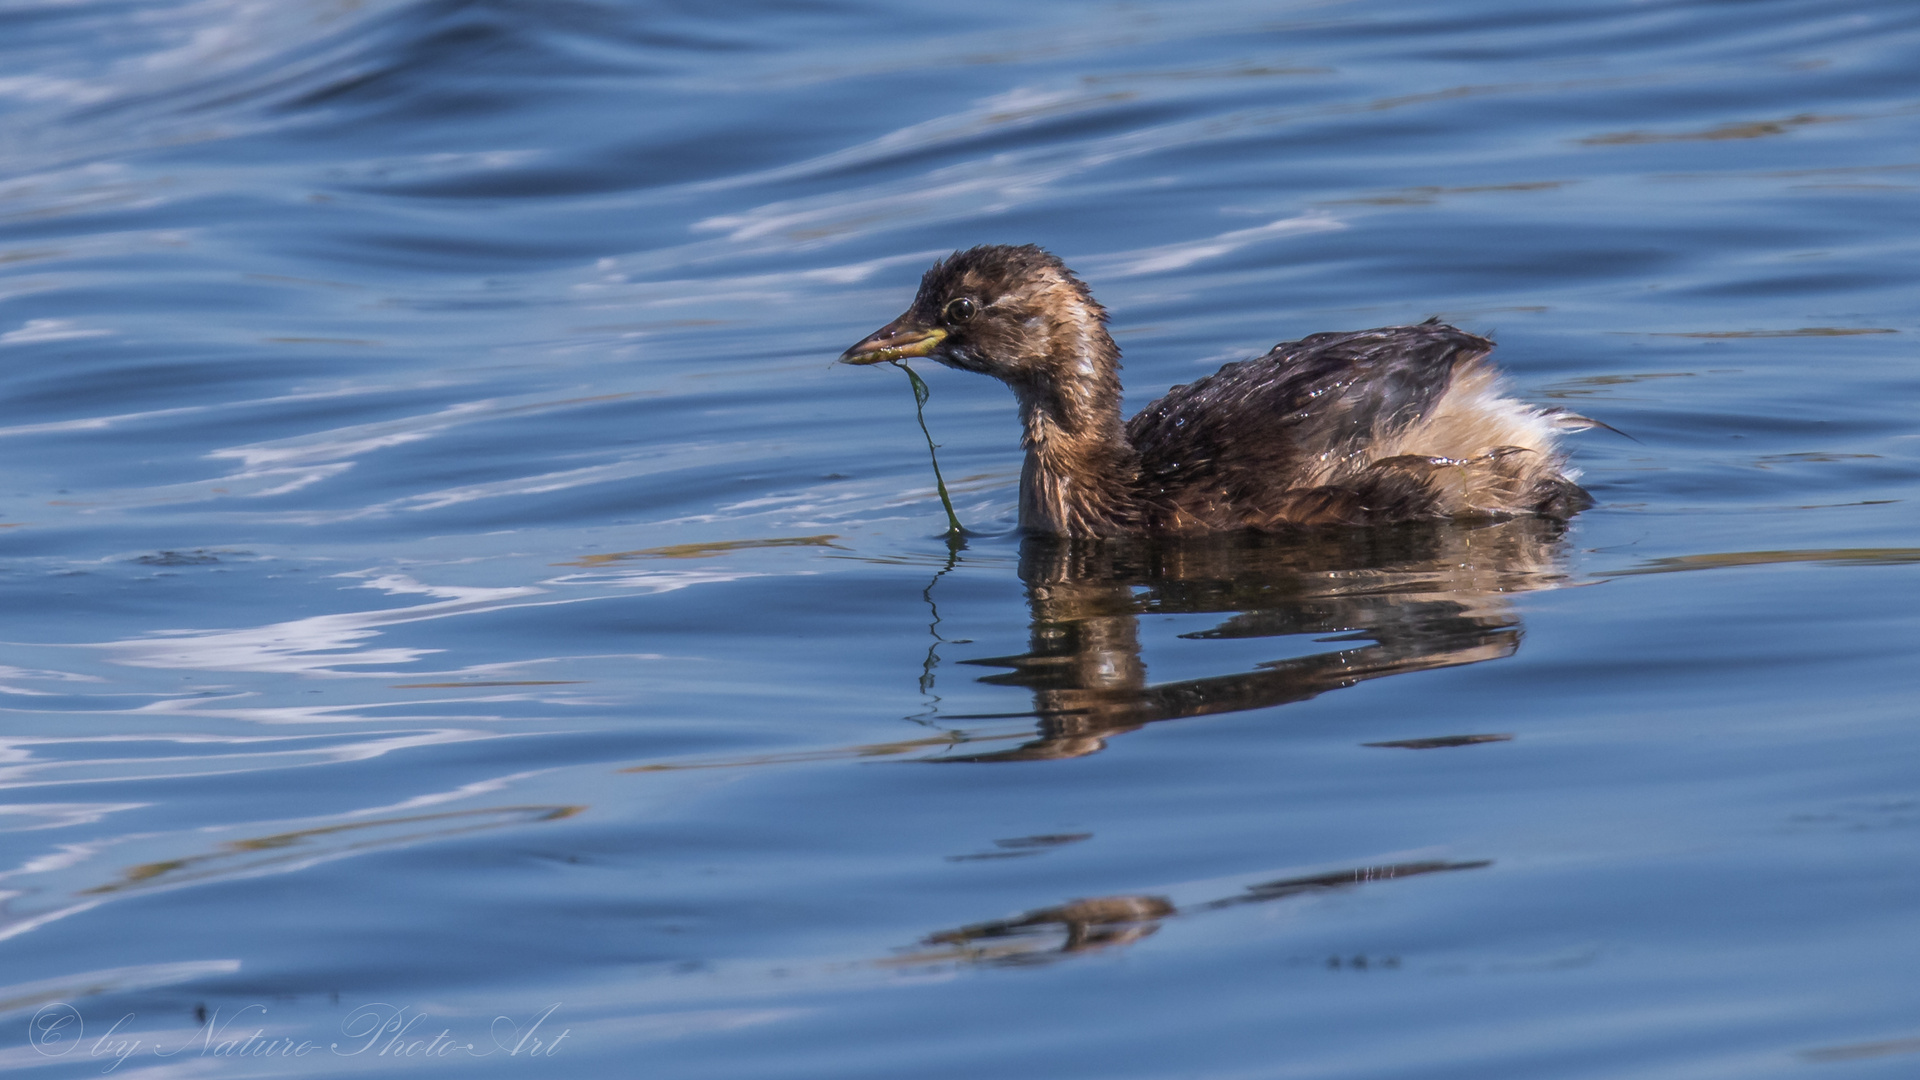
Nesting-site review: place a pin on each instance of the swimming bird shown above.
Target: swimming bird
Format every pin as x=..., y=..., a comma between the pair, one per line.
x=1367, y=427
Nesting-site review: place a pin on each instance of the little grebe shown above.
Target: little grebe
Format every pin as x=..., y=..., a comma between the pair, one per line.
x=1400, y=423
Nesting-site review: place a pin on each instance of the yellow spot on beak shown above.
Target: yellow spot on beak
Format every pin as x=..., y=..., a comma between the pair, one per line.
x=890, y=344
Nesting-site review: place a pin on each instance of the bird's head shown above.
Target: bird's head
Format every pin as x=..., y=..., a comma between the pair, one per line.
x=1015, y=313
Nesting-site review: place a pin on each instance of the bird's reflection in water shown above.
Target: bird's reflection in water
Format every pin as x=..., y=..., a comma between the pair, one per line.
x=1410, y=598
x=1393, y=600
x=1082, y=926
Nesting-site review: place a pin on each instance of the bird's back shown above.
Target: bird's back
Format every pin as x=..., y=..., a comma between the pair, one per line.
x=1393, y=424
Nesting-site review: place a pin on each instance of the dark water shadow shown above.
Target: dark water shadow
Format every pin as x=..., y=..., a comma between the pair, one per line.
x=1410, y=599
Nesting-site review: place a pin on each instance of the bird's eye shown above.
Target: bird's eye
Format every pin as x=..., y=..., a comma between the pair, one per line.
x=959, y=310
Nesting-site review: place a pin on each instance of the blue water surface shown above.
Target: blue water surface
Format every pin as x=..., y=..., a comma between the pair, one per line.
x=458, y=621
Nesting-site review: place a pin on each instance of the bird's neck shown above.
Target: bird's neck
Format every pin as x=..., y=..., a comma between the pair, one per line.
x=1080, y=472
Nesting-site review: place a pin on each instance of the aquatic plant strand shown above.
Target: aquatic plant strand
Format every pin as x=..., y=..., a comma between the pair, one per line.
x=920, y=395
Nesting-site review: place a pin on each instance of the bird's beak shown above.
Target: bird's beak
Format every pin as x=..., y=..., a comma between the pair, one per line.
x=897, y=340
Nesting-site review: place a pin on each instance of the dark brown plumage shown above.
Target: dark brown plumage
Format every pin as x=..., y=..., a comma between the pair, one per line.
x=1396, y=424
